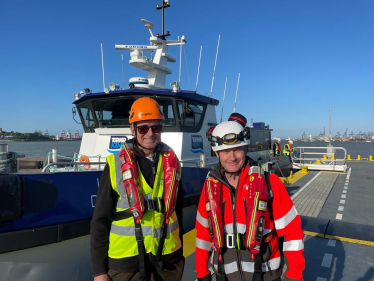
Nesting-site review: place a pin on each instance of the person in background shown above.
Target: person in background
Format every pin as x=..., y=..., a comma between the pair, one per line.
x=135, y=232
x=277, y=147
x=245, y=219
x=259, y=146
x=288, y=147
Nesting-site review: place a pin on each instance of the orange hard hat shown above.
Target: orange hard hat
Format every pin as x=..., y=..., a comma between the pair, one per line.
x=145, y=109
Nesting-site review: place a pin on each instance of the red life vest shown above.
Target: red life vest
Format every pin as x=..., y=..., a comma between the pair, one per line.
x=278, y=146
x=132, y=187
x=289, y=146
x=256, y=198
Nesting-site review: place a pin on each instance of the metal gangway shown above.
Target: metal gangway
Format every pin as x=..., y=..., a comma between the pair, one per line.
x=320, y=158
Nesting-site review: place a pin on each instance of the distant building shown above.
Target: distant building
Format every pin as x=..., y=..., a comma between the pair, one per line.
x=1, y=130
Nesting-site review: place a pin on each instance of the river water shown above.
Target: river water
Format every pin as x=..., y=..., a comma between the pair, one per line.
x=67, y=148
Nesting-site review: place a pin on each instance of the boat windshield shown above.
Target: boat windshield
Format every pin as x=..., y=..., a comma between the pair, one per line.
x=114, y=112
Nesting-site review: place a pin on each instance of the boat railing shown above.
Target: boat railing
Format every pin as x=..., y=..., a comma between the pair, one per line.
x=320, y=158
x=54, y=162
x=78, y=166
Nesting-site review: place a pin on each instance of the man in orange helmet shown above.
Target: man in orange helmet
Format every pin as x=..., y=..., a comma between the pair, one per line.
x=137, y=226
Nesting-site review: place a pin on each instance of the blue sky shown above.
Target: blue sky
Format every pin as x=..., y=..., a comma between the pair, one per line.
x=297, y=58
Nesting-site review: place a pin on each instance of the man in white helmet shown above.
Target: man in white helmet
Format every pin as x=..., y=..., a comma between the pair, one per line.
x=245, y=216
x=288, y=147
x=277, y=147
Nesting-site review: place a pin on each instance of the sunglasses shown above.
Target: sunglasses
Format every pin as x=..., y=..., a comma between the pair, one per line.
x=144, y=129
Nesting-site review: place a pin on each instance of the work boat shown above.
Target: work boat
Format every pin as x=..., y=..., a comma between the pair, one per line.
x=45, y=216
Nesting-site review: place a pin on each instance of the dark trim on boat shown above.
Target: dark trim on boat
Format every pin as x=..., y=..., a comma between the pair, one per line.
x=35, y=237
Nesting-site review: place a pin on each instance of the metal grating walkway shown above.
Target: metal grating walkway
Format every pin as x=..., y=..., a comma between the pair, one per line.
x=310, y=199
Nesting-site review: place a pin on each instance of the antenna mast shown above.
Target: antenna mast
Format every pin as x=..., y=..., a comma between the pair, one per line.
x=237, y=87
x=123, y=77
x=164, y=4
x=223, y=100
x=198, y=68
x=102, y=65
x=215, y=63
x=180, y=65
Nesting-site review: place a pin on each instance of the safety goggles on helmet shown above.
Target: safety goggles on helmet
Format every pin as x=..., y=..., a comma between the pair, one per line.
x=145, y=128
x=227, y=135
x=231, y=138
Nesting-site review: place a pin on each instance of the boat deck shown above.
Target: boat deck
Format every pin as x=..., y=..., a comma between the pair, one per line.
x=338, y=222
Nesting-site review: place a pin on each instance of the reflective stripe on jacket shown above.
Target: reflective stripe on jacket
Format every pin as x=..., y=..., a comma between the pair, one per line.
x=122, y=234
x=284, y=222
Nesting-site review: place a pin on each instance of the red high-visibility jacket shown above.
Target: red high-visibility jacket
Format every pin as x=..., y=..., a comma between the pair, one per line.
x=284, y=222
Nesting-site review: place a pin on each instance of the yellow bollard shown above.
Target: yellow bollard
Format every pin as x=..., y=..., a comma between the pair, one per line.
x=304, y=170
x=324, y=156
x=371, y=158
x=332, y=156
x=358, y=157
x=349, y=157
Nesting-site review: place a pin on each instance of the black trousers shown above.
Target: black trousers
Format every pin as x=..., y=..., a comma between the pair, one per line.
x=171, y=272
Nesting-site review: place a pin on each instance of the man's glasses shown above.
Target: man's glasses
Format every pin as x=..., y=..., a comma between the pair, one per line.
x=144, y=129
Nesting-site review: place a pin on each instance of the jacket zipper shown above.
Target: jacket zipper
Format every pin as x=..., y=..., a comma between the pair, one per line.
x=235, y=233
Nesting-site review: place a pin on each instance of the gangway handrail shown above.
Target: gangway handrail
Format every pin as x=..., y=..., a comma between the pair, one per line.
x=329, y=163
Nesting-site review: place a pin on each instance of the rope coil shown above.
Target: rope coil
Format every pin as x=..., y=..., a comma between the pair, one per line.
x=7, y=164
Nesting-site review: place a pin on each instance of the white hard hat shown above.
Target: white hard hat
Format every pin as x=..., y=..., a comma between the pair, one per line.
x=227, y=135
x=291, y=141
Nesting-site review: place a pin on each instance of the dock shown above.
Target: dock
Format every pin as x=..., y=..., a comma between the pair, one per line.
x=338, y=223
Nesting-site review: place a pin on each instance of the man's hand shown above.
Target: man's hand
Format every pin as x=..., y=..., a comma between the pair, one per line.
x=103, y=277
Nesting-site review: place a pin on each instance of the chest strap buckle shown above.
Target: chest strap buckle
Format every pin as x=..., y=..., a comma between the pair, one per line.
x=230, y=241
x=150, y=205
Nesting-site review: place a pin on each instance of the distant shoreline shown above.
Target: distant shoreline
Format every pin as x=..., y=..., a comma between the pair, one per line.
x=27, y=140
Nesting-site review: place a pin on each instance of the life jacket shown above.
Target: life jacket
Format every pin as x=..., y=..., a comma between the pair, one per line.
x=278, y=148
x=287, y=148
x=255, y=207
x=165, y=204
x=132, y=188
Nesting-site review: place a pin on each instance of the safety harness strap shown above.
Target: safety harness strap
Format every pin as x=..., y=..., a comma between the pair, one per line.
x=257, y=275
x=221, y=269
x=141, y=250
x=159, y=264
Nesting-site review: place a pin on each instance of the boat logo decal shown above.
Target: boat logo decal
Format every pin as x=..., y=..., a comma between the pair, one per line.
x=115, y=143
x=197, y=144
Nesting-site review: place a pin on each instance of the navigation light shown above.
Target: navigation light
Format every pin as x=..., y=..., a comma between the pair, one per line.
x=87, y=91
x=114, y=87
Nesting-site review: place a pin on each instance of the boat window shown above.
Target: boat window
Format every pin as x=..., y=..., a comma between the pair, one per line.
x=87, y=116
x=191, y=115
x=166, y=106
x=113, y=112
x=260, y=140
